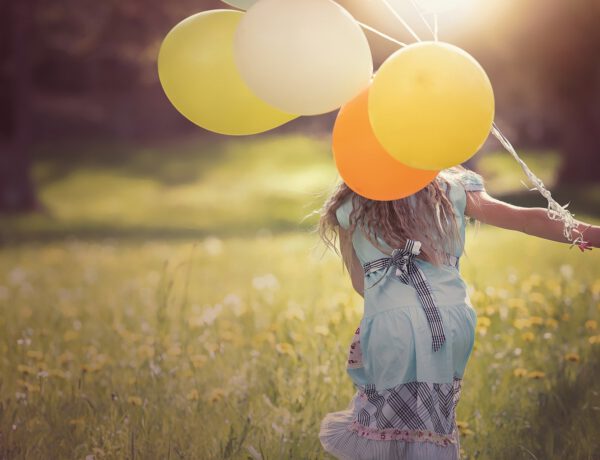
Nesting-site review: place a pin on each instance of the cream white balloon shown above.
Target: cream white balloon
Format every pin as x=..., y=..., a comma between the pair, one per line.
x=302, y=56
x=241, y=4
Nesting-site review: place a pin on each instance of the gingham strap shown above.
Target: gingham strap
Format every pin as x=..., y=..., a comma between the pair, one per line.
x=409, y=273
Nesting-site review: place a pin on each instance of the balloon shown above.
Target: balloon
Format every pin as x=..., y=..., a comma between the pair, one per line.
x=431, y=105
x=364, y=165
x=425, y=6
x=438, y=6
x=302, y=56
x=199, y=76
x=241, y=4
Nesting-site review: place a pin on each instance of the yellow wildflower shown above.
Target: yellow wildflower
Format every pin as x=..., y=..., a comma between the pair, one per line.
x=572, y=357
x=484, y=321
x=537, y=320
x=467, y=432
x=198, y=361
x=193, y=395
x=216, y=395
x=38, y=355
x=27, y=370
x=591, y=324
x=528, y=336
x=521, y=323
x=70, y=335
x=594, y=339
x=565, y=317
x=65, y=357
x=134, y=400
x=536, y=374
x=77, y=421
x=520, y=372
x=552, y=323
x=285, y=348
x=322, y=330
x=461, y=425
x=174, y=350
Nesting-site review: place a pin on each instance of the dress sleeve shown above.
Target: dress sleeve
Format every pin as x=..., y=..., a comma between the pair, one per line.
x=471, y=181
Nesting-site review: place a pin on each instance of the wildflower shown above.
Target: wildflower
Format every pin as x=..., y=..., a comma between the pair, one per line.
x=213, y=246
x=268, y=281
x=462, y=425
x=594, y=339
x=254, y=454
x=77, y=422
x=134, y=400
x=26, y=370
x=537, y=320
x=591, y=324
x=174, y=351
x=528, y=336
x=70, y=335
x=198, y=361
x=572, y=357
x=552, y=323
x=37, y=355
x=321, y=330
x=537, y=297
x=536, y=374
x=565, y=317
x=566, y=271
x=193, y=395
x=467, y=432
x=484, y=321
x=216, y=395
x=521, y=323
x=65, y=357
x=285, y=348
x=520, y=372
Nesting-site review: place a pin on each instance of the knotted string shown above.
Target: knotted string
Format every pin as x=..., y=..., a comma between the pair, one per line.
x=408, y=272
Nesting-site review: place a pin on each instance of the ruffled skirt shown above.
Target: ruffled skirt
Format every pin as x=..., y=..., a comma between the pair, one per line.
x=365, y=430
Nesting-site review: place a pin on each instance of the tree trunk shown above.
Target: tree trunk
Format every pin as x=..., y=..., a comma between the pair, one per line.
x=580, y=142
x=17, y=192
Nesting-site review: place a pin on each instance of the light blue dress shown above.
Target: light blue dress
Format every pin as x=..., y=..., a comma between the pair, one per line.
x=404, y=406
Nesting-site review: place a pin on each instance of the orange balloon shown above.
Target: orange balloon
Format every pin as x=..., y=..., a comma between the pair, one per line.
x=364, y=164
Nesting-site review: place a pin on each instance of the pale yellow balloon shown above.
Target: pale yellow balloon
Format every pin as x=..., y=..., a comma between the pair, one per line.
x=431, y=105
x=303, y=56
x=199, y=76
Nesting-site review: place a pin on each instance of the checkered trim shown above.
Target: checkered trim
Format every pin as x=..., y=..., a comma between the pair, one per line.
x=423, y=410
x=409, y=273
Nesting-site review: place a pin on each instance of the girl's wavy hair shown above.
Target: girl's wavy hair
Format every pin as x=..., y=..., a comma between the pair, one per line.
x=430, y=219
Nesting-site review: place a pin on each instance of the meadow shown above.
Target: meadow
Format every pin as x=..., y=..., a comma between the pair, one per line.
x=173, y=302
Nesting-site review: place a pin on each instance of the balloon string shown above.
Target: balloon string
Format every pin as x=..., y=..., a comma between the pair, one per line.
x=402, y=21
x=435, y=27
x=381, y=34
x=555, y=210
x=425, y=21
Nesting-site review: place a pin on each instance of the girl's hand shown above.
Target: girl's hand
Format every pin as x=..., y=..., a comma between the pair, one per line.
x=585, y=245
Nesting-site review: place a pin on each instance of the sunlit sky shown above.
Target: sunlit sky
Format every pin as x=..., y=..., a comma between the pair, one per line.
x=457, y=19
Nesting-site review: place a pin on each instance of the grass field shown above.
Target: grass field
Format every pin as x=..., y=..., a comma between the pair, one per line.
x=173, y=303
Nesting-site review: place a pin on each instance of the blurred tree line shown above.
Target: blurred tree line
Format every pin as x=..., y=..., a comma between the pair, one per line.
x=82, y=69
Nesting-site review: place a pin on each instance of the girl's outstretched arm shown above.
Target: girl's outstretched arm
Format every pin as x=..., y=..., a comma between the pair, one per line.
x=351, y=261
x=532, y=221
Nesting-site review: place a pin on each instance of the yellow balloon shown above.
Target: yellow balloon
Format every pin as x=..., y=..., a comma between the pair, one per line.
x=199, y=76
x=431, y=105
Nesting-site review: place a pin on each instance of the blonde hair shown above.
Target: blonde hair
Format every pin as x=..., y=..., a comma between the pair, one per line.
x=429, y=219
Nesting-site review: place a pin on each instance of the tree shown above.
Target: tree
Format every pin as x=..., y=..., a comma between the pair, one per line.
x=17, y=191
x=560, y=45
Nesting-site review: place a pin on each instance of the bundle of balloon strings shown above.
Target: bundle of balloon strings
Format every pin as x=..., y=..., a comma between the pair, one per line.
x=555, y=211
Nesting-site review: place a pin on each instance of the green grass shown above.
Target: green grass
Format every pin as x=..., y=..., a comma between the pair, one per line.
x=173, y=304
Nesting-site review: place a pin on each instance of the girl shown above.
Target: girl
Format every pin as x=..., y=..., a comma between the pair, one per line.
x=409, y=353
